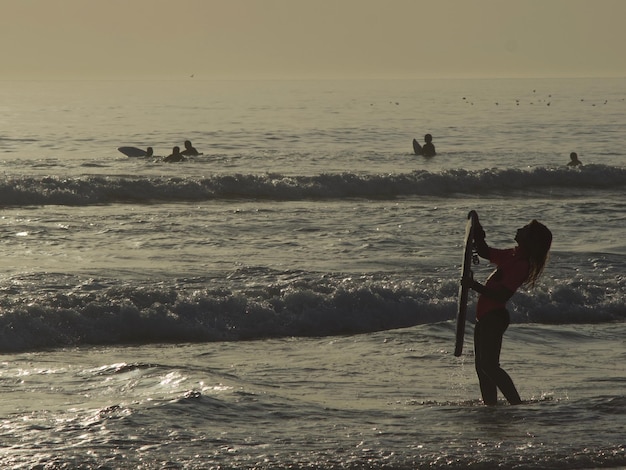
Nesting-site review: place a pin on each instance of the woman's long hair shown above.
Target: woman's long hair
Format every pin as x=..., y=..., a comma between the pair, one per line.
x=540, y=240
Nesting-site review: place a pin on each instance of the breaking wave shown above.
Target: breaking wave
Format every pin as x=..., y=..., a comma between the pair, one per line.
x=92, y=190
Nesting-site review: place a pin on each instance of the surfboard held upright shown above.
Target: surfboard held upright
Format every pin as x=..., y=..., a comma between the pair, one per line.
x=466, y=273
x=417, y=148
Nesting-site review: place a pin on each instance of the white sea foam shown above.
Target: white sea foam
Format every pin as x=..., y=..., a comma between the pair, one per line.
x=265, y=304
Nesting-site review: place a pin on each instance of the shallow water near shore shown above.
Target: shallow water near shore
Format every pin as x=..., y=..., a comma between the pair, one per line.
x=394, y=399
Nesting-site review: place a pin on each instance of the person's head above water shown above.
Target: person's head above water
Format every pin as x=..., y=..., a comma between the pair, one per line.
x=574, y=161
x=428, y=138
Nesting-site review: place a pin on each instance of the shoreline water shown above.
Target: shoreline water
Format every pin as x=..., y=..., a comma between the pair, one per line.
x=390, y=399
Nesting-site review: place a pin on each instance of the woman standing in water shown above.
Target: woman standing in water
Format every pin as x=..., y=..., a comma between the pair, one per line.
x=514, y=267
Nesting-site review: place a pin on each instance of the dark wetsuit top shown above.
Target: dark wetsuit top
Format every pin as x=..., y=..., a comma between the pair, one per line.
x=428, y=150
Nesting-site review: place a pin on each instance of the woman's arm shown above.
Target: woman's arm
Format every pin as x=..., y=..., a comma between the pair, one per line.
x=479, y=242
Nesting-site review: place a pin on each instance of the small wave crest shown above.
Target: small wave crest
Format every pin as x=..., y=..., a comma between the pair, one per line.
x=88, y=190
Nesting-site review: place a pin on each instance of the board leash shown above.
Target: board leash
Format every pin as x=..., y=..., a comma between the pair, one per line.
x=475, y=258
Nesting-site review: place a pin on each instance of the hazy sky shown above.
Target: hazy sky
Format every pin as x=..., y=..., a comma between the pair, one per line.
x=311, y=38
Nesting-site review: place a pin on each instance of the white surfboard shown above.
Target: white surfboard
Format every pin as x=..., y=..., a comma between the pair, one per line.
x=132, y=151
x=417, y=148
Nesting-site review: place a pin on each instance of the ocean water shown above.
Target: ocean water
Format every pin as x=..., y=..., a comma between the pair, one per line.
x=287, y=298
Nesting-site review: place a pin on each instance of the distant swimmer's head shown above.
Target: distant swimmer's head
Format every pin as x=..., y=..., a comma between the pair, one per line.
x=149, y=152
x=574, y=161
x=187, y=144
x=176, y=150
x=428, y=138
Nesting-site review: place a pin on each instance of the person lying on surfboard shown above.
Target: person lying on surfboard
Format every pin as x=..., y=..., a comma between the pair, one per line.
x=175, y=156
x=515, y=267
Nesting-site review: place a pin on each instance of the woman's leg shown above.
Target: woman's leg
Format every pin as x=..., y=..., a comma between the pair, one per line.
x=487, y=345
x=488, y=388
